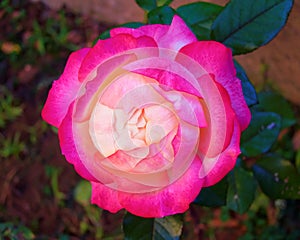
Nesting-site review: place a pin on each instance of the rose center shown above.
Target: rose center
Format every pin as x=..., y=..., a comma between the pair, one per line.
x=137, y=125
x=134, y=132
x=144, y=130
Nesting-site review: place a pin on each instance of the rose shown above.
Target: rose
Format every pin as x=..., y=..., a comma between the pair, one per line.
x=149, y=117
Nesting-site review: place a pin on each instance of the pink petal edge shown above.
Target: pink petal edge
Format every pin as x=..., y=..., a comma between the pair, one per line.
x=64, y=90
x=170, y=200
x=217, y=59
x=68, y=148
x=107, y=48
x=226, y=160
x=173, y=36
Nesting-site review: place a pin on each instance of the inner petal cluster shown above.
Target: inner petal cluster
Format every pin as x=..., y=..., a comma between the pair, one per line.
x=144, y=131
x=141, y=135
x=137, y=125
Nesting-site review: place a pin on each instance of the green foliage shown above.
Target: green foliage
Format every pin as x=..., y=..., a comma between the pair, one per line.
x=162, y=15
x=82, y=195
x=149, y=5
x=9, y=109
x=167, y=228
x=262, y=133
x=5, y=5
x=51, y=36
x=248, y=88
x=11, y=146
x=11, y=231
x=213, y=196
x=246, y=25
x=257, y=221
x=241, y=190
x=273, y=102
x=39, y=37
x=200, y=16
x=53, y=173
x=278, y=178
x=132, y=24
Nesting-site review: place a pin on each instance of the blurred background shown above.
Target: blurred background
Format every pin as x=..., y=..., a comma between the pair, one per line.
x=41, y=196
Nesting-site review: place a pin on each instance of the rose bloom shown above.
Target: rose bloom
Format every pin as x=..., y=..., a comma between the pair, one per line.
x=149, y=116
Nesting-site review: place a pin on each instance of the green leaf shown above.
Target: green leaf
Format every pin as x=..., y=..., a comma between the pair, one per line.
x=167, y=228
x=200, y=16
x=132, y=25
x=273, y=102
x=149, y=5
x=214, y=196
x=241, y=190
x=163, y=2
x=82, y=192
x=103, y=36
x=248, y=89
x=277, y=177
x=161, y=15
x=146, y=4
x=246, y=25
x=261, y=134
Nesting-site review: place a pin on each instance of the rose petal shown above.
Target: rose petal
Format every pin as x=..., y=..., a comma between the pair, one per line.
x=214, y=169
x=161, y=121
x=130, y=90
x=153, y=30
x=146, y=124
x=220, y=116
x=105, y=172
x=68, y=148
x=64, y=90
x=178, y=35
x=104, y=74
x=170, y=200
x=187, y=107
x=172, y=37
x=216, y=59
x=101, y=130
x=105, y=197
x=107, y=48
x=167, y=72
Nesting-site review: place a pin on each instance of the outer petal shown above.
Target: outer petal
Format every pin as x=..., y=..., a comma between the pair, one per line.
x=220, y=117
x=177, y=36
x=170, y=200
x=216, y=59
x=107, y=48
x=173, y=37
x=154, y=30
x=224, y=162
x=105, y=197
x=64, y=90
x=68, y=148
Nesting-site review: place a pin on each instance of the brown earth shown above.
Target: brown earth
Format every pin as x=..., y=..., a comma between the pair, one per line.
x=277, y=64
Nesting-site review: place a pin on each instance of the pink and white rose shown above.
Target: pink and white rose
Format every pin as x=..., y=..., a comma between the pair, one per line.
x=149, y=116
